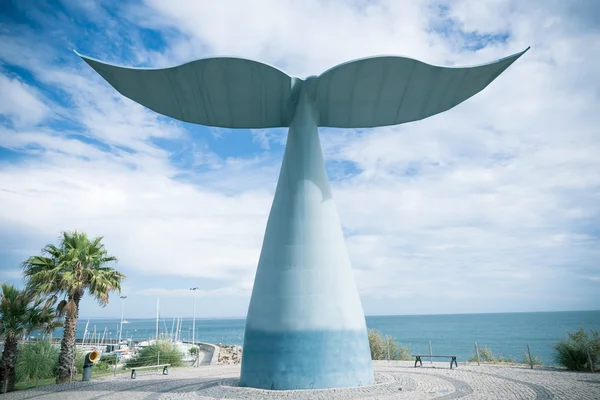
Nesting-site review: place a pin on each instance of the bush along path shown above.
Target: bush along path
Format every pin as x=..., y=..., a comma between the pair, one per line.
x=580, y=351
x=386, y=347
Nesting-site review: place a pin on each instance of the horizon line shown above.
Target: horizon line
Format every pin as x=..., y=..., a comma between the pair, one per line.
x=370, y=315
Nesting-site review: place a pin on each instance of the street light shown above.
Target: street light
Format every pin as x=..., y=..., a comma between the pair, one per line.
x=194, y=321
x=122, y=309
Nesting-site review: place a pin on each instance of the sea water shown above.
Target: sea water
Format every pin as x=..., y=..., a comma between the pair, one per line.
x=507, y=334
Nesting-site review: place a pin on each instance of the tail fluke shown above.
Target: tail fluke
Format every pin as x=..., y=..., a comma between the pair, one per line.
x=222, y=92
x=383, y=91
x=232, y=92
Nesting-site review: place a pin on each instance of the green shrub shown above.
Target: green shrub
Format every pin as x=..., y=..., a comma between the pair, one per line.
x=37, y=360
x=486, y=355
x=572, y=353
x=163, y=352
x=193, y=350
x=379, y=347
x=102, y=366
x=536, y=360
x=110, y=359
x=79, y=360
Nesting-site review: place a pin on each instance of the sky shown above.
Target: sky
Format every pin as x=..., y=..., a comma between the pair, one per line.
x=492, y=206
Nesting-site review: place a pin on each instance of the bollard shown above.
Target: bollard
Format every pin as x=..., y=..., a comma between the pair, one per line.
x=530, y=358
x=88, y=362
x=388, y=348
x=430, y=353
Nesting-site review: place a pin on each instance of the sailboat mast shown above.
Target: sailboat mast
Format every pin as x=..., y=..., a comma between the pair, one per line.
x=157, y=312
x=180, y=327
x=85, y=332
x=103, y=336
x=172, y=327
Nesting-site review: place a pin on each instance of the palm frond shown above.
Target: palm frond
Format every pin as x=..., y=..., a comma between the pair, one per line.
x=22, y=311
x=77, y=264
x=60, y=308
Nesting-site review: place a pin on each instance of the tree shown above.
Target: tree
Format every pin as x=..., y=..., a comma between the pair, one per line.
x=21, y=312
x=67, y=271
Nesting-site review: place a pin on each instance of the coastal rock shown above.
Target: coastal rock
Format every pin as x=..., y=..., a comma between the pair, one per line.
x=229, y=354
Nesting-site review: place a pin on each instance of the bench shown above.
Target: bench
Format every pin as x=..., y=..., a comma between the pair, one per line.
x=418, y=359
x=165, y=368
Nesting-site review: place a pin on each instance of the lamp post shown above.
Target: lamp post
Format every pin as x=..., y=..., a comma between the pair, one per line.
x=194, y=320
x=122, y=310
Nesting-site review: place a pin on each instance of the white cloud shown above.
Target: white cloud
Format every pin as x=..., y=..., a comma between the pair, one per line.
x=493, y=203
x=304, y=38
x=20, y=102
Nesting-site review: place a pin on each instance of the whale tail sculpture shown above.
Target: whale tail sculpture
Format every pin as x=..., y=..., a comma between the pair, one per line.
x=305, y=327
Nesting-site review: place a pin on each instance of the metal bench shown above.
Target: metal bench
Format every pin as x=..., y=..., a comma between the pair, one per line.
x=165, y=368
x=418, y=359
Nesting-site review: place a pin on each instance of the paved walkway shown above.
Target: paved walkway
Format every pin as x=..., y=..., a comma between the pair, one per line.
x=395, y=380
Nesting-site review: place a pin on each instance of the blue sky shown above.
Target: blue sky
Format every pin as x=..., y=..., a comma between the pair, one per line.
x=489, y=207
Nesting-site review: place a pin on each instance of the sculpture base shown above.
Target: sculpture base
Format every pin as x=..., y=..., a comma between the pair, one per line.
x=306, y=360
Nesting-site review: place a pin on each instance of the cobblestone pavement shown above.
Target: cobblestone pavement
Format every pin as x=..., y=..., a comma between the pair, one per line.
x=397, y=380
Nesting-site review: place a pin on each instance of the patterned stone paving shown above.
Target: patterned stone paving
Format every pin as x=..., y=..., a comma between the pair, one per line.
x=394, y=380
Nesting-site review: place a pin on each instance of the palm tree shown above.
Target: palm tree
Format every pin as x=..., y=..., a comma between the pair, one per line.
x=20, y=313
x=66, y=271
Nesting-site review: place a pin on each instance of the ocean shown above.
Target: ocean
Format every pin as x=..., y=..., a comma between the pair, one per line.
x=506, y=334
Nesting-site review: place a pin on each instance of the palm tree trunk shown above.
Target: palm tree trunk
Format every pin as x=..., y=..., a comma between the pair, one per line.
x=7, y=363
x=67, y=345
